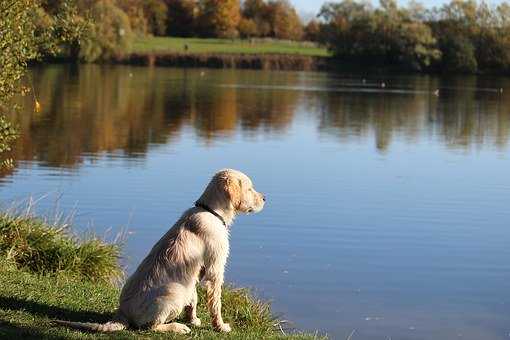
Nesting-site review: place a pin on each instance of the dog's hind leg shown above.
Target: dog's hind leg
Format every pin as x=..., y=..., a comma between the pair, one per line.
x=169, y=315
x=172, y=327
x=191, y=310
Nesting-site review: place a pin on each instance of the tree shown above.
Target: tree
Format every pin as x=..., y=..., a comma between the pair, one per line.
x=181, y=17
x=312, y=31
x=111, y=34
x=259, y=12
x=23, y=38
x=285, y=22
x=133, y=9
x=220, y=18
x=472, y=37
x=254, y=9
x=248, y=28
x=156, y=11
x=386, y=36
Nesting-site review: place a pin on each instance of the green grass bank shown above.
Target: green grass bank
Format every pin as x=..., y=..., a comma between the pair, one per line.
x=262, y=54
x=226, y=46
x=44, y=275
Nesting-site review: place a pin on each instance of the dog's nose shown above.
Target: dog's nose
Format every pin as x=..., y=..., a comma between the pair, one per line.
x=264, y=198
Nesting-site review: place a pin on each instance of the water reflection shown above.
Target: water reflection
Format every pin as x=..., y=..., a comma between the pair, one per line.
x=385, y=202
x=91, y=109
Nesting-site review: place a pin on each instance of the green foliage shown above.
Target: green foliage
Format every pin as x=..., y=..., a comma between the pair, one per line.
x=7, y=135
x=109, y=36
x=384, y=36
x=27, y=32
x=461, y=36
x=34, y=245
x=17, y=46
x=458, y=54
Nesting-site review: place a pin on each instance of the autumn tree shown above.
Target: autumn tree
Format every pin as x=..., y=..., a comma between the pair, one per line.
x=284, y=20
x=312, y=31
x=219, y=18
x=257, y=12
x=110, y=34
x=248, y=28
x=156, y=12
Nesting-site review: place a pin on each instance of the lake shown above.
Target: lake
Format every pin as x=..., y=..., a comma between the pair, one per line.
x=388, y=205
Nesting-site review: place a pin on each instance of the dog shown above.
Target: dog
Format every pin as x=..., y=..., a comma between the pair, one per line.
x=195, y=249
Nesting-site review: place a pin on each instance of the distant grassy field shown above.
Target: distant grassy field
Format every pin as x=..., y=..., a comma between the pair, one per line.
x=225, y=46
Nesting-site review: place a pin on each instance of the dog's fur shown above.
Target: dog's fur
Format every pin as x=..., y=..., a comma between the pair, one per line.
x=195, y=248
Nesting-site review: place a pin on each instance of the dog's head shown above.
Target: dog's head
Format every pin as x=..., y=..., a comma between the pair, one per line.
x=233, y=190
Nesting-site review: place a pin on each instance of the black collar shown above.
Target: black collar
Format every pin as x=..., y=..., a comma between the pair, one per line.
x=205, y=207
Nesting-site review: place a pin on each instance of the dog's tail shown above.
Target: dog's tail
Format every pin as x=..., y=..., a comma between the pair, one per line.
x=117, y=324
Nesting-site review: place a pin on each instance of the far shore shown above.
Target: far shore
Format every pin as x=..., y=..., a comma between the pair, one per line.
x=280, y=62
x=257, y=54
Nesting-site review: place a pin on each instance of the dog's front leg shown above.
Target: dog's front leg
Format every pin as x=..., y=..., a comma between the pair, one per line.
x=214, y=304
x=213, y=277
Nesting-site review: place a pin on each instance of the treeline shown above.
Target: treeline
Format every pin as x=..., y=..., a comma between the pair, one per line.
x=462, y=36
x=218, y=18
x=112, y=24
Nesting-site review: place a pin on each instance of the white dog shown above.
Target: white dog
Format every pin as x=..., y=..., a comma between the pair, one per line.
x=195, y=248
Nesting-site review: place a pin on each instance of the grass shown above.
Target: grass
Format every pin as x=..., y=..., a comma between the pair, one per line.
x=31, y=243
x=225, y=46
x=45, y=275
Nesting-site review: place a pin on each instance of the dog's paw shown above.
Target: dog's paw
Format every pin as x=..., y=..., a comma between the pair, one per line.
x=181, y=329
x=224, y=327
x=196, y=322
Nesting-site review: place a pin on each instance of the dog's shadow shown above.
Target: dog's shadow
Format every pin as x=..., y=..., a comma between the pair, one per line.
x=9, y=330
x=52, y=312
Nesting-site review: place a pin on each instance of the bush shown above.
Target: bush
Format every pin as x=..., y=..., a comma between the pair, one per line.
x=34, y=245
x=109, y=36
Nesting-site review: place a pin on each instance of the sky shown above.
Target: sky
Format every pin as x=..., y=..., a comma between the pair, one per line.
x=310, y=7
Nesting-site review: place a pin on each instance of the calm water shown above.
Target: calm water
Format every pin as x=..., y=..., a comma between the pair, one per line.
x=388, y=209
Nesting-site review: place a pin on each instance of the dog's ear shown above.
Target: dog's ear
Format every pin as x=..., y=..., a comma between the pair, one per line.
x=233, y=188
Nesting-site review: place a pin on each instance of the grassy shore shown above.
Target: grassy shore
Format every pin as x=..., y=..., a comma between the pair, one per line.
x=36, y=289
x=167, y=45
